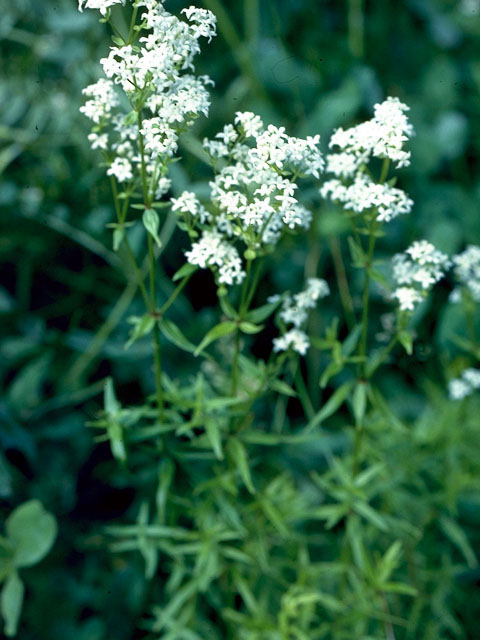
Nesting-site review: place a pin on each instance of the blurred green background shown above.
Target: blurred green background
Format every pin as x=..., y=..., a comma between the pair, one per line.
x=311, y=65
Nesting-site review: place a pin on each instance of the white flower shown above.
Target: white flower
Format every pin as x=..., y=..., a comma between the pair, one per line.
x=103, y=100
x=407, y=297
x=467, y=272
x=295, y=311
x=189, y=203
x=98, y=141
x=250, y=124
x=121, y=169
x=364, y=194
x=102, y=5
x=214, y=252
x=383, y=136
x=416, y=271
x=295, y=339
x=205, y=22
x=469, y=381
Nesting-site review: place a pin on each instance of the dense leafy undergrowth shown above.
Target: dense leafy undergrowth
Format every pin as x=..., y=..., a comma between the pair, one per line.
x=263, y=495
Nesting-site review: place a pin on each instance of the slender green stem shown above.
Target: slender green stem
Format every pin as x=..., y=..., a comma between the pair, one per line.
x=137, y=272
x=236, y=356
x=366, y=300
x=303, y=394
x=254, y=285
x=251, y=19
x=383, y=356
x=174, y=295
x=344, y=289
x=152, y=266
x=158, y=371
x=132, y=24
x=356, y=27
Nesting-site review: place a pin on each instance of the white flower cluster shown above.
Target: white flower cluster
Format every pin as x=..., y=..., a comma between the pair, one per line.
x=467, y=273
x=364, y=194
x=101, y=5
x=154, y=75
x=469, y=381
x=381, y=137
x=214, y=252
x=416, y=271
x=295, y=312
x=253, y=193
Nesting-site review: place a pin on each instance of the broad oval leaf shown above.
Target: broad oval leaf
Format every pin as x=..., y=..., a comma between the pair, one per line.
x=32, y=532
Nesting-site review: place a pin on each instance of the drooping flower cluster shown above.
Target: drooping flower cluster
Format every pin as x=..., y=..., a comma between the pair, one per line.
x=467, y=273
x=381, y=137
x=154, y=73
x=465, y=385
x=253, y=194
x=294, y=312
x=416, y=271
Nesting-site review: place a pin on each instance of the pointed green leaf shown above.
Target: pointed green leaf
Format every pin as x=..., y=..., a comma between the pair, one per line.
x=359, y=401
x=457, y=536
x=330, y=407
x=173, y=334
x=11, y=601
x=249, y=327
x=184, y=271
x=262, y=313
x=282, y=387
x=238, y=456
x=367, y=512
x=406, y=340
x=110, y=402
x=214, y=437
x=219, y=331
x=142, y=326
x=151, y=222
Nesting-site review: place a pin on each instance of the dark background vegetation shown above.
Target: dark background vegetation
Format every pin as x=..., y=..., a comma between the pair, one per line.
x=299, y=63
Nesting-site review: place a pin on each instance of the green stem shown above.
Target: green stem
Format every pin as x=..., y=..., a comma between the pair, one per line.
x=344, y=290
x=366, y=300
x=174, y=295
x=356, y=28
x=137, y=272
x=383, y=356
x=303, y=392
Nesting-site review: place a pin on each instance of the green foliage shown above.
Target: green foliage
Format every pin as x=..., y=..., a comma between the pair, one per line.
x=309, y=501
x=31, y=532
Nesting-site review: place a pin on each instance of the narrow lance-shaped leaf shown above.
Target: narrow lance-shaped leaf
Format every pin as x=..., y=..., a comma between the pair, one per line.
x=238, y=456
x=151, y=223
x=332, y=404
x=219, y=331
x=11, y=601
x=173, y=334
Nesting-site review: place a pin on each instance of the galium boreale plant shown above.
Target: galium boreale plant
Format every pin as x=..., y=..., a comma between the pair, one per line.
x=228, y=527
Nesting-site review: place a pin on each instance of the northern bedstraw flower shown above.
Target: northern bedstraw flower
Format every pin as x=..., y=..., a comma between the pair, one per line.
x=294, y=311
x=101, y=5
x=138, y=131
x=465, y=385
x=253, y=195
x=381, y=137
x=466, y=270
x=415, y=271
